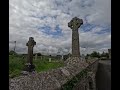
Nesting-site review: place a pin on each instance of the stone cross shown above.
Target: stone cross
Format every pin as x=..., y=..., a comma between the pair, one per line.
x=74, y=24
x=30, y=44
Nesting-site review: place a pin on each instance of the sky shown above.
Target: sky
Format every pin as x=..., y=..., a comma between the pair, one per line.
x=47, y=21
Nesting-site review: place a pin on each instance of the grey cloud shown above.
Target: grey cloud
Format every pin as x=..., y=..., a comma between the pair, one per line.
x=22, y=25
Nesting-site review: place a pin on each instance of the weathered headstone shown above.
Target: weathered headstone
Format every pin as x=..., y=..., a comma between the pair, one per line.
x=29, y=65
x=62, y=57
x=74, y=24
x=35, y=56
x=50, y=58
x=109, y=52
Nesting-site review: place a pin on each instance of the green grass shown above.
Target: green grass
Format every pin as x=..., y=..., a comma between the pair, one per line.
x=45, y=65
x=16, y=65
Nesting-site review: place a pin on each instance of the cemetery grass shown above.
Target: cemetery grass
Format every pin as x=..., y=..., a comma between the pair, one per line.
x=16, y=65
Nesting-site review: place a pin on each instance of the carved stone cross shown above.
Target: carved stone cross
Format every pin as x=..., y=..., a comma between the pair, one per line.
x=30, y=45
x=74, y=24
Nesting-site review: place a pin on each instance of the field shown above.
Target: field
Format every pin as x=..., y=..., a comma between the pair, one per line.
x=17, y=63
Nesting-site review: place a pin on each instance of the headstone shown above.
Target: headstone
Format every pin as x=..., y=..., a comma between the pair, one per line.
x=35, y=56
x=29, y=65
x=109, y=52
x=74, y=24
x=50, y=58
x=62, y=57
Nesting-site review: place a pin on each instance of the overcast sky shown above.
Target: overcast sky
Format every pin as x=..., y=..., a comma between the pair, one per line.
x=47, y=21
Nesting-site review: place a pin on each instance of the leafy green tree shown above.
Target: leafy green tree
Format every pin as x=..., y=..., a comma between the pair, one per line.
x=39, y=54
x=105, y=55
x=86, y=57
x=95, y=54
x=12, y=52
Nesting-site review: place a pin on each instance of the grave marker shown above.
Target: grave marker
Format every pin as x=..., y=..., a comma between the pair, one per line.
x=29, y=65
x=74, y=24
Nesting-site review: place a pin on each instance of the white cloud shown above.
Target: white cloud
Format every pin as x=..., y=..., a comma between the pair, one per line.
x=26, y=15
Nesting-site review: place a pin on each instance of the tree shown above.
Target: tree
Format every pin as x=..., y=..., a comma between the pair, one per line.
x=39, y=54
x=12, y=52
x=95, y=54
x=86, y=57
x=105, y=55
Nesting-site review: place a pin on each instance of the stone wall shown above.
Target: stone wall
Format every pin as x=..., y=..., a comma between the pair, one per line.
x=70, y=77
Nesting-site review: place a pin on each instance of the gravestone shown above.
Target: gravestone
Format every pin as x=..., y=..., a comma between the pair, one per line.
x=62, y=57
x=35, y=56
x=50, y=58
x=29, y=65
x=75, y=60
x=109, y=52
x=74, y=24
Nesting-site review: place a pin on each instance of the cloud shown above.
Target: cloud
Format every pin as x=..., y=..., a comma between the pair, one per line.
x=47, y=21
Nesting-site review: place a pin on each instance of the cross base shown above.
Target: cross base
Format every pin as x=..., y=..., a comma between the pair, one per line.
x=29, y=67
